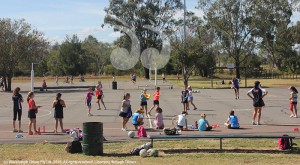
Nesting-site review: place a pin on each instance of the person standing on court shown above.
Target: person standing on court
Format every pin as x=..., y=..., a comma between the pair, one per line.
x=257, y=96
x=184, y=98
x=33, y=110
x=236, y=87
x=58, y=105
x=17, y=100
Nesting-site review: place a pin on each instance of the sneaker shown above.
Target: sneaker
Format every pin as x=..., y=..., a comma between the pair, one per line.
x=195, y=108
x=258, y=123
x=104, y=108
x=20, y=131
x=292, y=116
x=99, y=109
x=30, y=133
x=253, y=123
x=149, y=114
x=295, y=116
x=124, y=129
x=91, y=114
x=15, y=130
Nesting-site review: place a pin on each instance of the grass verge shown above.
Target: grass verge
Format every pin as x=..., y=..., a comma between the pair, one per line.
x=238, y=151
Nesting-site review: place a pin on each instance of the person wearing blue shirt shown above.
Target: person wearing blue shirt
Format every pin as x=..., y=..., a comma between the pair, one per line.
x=203, y=124
x=232, y=121
x=137, y=118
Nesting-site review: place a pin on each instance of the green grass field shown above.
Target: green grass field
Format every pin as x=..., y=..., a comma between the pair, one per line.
x=187, y=152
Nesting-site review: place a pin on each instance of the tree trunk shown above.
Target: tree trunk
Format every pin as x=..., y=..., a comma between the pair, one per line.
x=185, y=77
x=146, y=73
x=237, y=66
x=9, y=83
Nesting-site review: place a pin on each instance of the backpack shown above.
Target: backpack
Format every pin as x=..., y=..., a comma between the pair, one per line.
x=285, y=143
x=170, y=131
x=136, y=151
x=74, y=147
x=142, y=132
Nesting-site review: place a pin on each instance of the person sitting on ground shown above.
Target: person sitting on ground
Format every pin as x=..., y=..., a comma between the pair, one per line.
x=159, y=122
x=137, y=118
x=232, y=121
x=181, y=121
x=203, y=124
x=44, y=85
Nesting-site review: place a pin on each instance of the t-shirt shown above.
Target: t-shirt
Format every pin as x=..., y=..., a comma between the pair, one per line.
x=236, y=82
x=185, y=94
x=294, y=97
x=31, y=104
x=234, y=121
x=202, y=124
x=256, y=92
x=143, y=98
x=159, y=120
x=17, y=99
x=181, y=120
x=156, y=95
x=89, y=96
x=135, y=118
x=126, y=107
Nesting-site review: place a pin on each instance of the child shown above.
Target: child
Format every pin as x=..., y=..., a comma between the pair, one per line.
x=203, y=124
x=293, y=101
x=191, y=98
x=181, y=121
x=44, y=85
x=125, y=112
x=137, y=118
x=232, y=121
x=88, y=100
x=33, y=110
x=100, y=96
x=159, y=123
x=58, y=105
x=184, y=98
x=17, y=102
x=156, y=96
x=144, y=100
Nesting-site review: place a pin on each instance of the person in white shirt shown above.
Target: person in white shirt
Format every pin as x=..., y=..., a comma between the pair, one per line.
x=257, y=96
x=181, y=121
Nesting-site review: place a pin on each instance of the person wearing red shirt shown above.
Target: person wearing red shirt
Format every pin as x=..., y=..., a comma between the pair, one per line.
x=156, y=96
x=33, y=110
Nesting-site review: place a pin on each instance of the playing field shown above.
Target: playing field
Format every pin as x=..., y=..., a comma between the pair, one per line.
x=215, y=103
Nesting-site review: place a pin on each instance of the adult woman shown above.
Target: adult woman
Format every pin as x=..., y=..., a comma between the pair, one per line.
x=33, y=110
x=58, y=105
x=17, y=100
x=258, y=94
x=125, y=112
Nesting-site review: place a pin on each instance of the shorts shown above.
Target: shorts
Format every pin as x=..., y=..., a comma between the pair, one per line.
x=259, y=103
x=180, y=127
x=31, y=114
x=229, y=127
x=236, y=87
x=292, y=104
x=89, y=104
x=99, y=97
x=17, y=112
x=144, y=103
x=125, y=115
x=155, y=102
x=184, y=101
x=190, y=98
x=59, y=114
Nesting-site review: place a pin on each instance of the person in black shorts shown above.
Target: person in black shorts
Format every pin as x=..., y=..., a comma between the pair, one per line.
x=257, y=96
x=184, y=98
x=17, y=100
x=58, y=105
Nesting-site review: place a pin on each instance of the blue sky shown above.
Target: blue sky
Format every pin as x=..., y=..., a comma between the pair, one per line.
x=58, y=18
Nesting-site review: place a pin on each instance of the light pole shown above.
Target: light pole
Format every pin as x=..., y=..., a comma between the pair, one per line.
x=32, y=77
x=184, y=42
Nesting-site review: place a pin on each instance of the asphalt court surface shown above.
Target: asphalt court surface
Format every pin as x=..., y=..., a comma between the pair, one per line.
x=215, y=103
